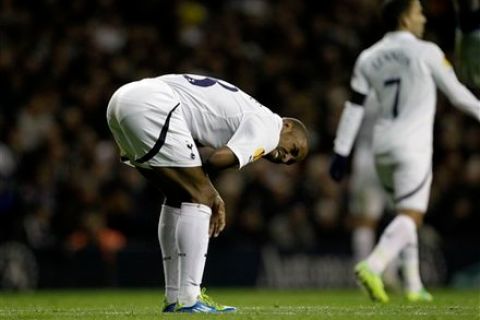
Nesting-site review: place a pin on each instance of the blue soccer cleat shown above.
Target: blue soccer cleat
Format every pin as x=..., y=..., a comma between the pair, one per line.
x=198, y=307
x=205, y=304
x=204, y=298
x=168, y=307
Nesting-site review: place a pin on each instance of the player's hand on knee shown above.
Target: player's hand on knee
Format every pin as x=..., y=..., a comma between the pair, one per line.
x=217, y=221
x=338, y=167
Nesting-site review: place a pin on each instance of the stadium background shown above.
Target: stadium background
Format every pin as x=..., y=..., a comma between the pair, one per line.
x=72, y=216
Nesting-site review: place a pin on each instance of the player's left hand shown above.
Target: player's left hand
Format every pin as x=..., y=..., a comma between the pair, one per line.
x=217, y=221
x=338, y=167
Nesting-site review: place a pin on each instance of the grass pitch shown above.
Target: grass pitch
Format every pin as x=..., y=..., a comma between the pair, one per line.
x=252, y=304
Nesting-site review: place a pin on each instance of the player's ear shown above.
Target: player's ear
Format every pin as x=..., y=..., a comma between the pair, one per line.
x=287, y=125
x=404, y=21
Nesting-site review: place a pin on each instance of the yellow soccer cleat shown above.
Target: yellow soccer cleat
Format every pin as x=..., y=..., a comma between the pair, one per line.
x=420, y=296
x=371, y=282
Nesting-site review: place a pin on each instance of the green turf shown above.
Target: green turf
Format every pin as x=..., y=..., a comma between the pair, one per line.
x=252, y=304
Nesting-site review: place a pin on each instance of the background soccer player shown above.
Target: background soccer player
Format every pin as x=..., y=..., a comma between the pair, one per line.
x=404, y=73
x=367, y=197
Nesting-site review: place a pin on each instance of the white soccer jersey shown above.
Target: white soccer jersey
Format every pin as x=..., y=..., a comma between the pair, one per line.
x=218, y=114
x=404, y=72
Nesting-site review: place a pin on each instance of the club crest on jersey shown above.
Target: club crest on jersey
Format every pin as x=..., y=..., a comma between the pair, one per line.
x=190, y=146
x=447, y=63
x=257, y=154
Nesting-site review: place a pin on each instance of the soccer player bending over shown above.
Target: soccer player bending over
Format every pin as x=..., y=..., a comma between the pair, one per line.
x=403, y=71
x=157, y=123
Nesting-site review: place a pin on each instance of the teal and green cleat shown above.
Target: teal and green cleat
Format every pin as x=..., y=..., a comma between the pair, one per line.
x=198, y=307
x=204, y=304
x=371, y=282
x=168, y=307
x=204, y=298
x=420, y=296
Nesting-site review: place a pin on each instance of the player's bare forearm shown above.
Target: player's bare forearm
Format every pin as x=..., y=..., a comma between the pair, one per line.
x=220, y=159
x=205, y=152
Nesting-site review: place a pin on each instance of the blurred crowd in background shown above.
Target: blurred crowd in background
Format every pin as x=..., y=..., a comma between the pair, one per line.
x=62, y=185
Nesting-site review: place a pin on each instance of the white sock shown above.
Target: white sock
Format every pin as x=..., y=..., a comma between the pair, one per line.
x=363, y=239
x=411, y=267
x=397, y=235
x=192, y=240
x=167, y=226
x=390, y=274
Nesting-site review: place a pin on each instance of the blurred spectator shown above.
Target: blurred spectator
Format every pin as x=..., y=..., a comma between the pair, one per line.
x=93, y=232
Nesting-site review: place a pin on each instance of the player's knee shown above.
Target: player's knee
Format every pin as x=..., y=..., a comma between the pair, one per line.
x=416, y=216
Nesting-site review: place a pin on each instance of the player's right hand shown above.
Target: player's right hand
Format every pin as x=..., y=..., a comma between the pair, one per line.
x=338, y=167
x=217, y=221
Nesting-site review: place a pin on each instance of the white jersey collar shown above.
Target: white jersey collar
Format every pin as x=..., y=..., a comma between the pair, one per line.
x=399, y=35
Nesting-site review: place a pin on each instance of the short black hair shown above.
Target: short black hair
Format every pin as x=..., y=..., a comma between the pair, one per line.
x=392, y=10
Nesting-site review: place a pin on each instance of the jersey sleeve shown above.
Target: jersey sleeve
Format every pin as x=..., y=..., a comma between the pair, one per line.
x=359, y=82
x=255, y=137
x=446, y=80
x=353, y=112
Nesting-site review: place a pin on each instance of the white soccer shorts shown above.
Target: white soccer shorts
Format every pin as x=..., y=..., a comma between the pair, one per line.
x=367, y=195
x=407, y=178
x=148, y=125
